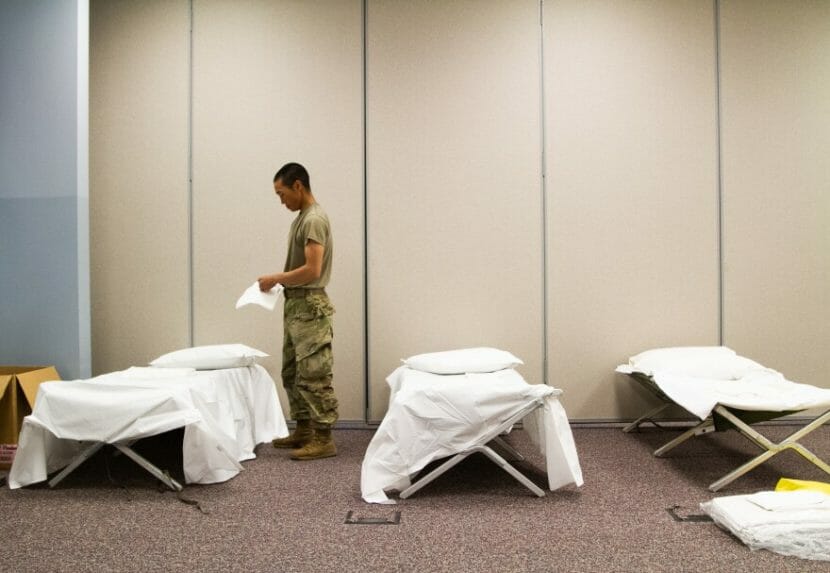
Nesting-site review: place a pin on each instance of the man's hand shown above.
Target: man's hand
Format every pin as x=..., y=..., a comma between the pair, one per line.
x=267, y=282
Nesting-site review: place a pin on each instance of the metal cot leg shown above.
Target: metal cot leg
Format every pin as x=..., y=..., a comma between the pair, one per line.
x=704, y=427
x=508, y=449
x=452, y=462
x=157, y=473
x=503, y=464
x=770, y=448
x=645, y=418
x=78, y=460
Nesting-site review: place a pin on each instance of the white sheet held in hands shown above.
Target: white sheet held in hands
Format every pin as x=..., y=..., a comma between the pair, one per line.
x=267, y=300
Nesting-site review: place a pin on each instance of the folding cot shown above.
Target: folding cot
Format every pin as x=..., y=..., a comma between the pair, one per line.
x=225, y=413
x=436, y=416
x=483, y=446
x=726, y=391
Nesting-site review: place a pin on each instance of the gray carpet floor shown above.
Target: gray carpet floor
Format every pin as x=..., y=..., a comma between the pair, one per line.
x=285, y=516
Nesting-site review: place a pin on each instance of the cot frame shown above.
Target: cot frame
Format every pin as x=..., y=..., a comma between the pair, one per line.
x=483, y=445
x=93, y=447
x=732, y=417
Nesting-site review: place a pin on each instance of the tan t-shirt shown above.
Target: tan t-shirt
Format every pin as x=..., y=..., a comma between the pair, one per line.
x=311, y=224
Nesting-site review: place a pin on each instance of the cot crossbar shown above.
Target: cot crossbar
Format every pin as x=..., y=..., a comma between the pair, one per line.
x=124, y=448
x=482, y=447
x=770, y=448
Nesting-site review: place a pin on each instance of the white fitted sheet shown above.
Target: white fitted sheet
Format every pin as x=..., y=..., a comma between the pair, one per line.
x=750, y=386
x=225, y=413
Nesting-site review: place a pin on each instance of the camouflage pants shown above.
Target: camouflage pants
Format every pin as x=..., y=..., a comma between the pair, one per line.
x=307, y=359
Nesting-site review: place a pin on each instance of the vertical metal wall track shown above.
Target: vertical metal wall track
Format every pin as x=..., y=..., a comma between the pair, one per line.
x=190, y=262
x=366, y=390
x=720, y=172
x=82, y=182
x=545, y=309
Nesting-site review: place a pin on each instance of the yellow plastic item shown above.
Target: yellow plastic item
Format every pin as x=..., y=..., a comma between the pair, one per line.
x=789, y=484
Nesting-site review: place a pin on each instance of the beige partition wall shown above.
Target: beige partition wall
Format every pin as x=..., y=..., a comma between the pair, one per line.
x=275, y=82
x=453, y=182
x=775, y=86
x=632, y=188
x=633, y=238
x=138, y=180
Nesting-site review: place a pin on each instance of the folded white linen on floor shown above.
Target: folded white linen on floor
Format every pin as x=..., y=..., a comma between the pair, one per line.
x=434, y=416
x=701, y=378
x=225, y=413
x=793, y=523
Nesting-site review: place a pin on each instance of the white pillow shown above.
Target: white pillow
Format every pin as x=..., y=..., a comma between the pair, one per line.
x=211, y=357
x=712, y=362
x=462, y=361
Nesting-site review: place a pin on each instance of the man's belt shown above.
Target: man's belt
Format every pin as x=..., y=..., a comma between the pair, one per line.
x=302, y=292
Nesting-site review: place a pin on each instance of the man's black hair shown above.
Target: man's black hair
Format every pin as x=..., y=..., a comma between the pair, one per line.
x=291, y=172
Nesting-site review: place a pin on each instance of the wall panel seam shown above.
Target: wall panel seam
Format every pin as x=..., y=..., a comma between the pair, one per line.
x=718, y=145
x=190, y=254
x=82, y=181
x=543, y=141
x=366, y=390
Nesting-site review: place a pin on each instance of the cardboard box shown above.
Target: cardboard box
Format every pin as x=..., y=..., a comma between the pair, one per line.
x=18, y=389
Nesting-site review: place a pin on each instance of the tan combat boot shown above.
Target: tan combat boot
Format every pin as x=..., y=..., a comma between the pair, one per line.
x=301, y=435
x=320, y=446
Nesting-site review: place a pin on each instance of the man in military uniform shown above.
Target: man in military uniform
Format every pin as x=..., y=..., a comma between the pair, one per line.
x=306, y=353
